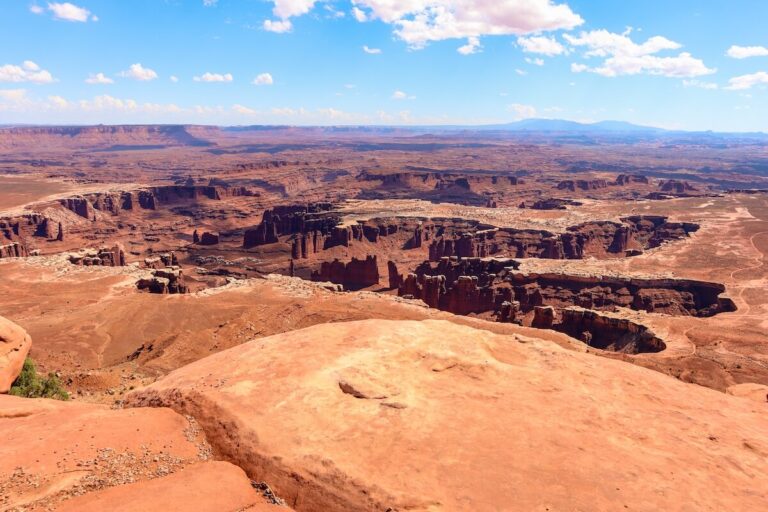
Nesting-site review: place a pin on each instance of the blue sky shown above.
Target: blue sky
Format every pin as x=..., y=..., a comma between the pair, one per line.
x=682, y=64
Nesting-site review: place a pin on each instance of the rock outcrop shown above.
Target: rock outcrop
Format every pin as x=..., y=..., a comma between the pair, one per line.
x=360, y=416
x=477, y=285
x=208, y=238
x=14, y=347
x=353, y=275
x=69, y=456
x=163, y=281
x=601, y=239
x=608, y=332
x=106, y=257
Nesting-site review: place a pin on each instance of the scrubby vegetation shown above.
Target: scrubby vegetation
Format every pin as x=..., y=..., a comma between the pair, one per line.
x=29, y=384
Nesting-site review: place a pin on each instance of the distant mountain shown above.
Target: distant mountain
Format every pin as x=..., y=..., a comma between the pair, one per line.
x=562, y=125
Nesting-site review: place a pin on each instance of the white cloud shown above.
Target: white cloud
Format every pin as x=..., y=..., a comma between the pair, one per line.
x=400, y=95
x=240, y=109
x=210, y=3
x=278, y=26
x=214, y=77
x=174, y=78
x=70, y=12
x=333, y=13
x=139, y=72
x=36, y=9
x=541, y=44
x=700, y=84
x=744, y=52
x=625, y=57
x=536, y=62
x=472, y=46
x=98, y=78
x=578, y=68
x=521, y=111
x=418, y=22
x=27, y=72
x=372, y=51
x=58, y=102
x=285, y=9
x=13, y=95
x=521, y=72
x=359, y=14
x=740, y=83
x=263, y=79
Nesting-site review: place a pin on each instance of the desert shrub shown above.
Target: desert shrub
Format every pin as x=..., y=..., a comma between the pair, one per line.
x=30, y=384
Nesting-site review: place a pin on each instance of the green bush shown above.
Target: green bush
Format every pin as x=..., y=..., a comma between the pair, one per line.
x=29, y=384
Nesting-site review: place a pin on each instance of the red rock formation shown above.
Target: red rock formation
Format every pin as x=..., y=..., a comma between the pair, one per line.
x=676, y=187
x=628, y=179
x=78, y=205
x=573, y=185
x=14, y=347
x=353, y=275
x=549, y=204
x=395, y=277
x=600, y=239
x=209, y=238
x=107, y=257
x=474, y=285
x=607, y=332
x=164, y=280
x=13, y=250
x=543, y=317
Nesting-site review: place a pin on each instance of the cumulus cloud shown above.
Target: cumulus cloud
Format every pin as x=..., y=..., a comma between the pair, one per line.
x=744, y=52
x=263, y=79
x=743, y=82
x=400, y=95
x=421, y=21
x=278, y=26
x=58, y=102
x=69, y=12
x=27, y=72
x=36, y=9
x=174, y=78
x=625, y=57
x=536, y=62
x=521, y=111
x=139, y=72
x=214, y=77
x=210, y=3
x=473, y=46
x=372, y=51
x=541, y=44
x=240, y=109
x=98, y=78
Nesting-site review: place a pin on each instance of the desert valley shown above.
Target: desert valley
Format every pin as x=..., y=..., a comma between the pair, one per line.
x=389, y=319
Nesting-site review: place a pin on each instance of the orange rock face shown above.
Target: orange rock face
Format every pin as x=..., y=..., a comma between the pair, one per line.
x=73, y=456
x=14, y=347
x=405, y=415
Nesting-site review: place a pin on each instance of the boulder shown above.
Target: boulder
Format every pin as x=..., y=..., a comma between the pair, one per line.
x=406, y=415
x=14, y=347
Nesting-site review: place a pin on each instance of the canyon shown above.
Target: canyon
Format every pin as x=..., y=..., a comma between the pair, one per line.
x=276, y=312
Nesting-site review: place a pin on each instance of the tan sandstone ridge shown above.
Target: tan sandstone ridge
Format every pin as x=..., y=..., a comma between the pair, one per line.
x=14, y=347
x=430, y=415
x=85, y=457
